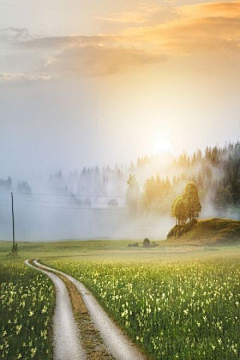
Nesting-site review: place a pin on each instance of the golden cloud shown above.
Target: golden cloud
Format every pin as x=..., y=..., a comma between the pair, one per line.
x=141, y=16
x=124, y=17
x=95, y=61
x=215, y=9
x=203, y=27
x=200, y=30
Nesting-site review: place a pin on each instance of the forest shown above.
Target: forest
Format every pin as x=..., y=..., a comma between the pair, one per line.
x=216, y=172
x=150, y=186
x=145, y=190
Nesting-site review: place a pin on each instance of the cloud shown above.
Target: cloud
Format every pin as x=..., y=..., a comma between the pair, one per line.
x=215, y=9
x=95, y=61
x=15, y=77
x=197, y=30
x=62, y=42
x=92, y=56
x=14, y=34
x=124, y=17
x=202, y=28
x=143, y=15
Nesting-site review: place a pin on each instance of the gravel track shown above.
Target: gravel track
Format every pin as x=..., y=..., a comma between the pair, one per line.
x=66, y=340
x=115, y=340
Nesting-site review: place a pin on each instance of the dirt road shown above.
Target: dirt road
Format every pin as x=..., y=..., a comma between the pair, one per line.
x=116, y=342
x=67, y=345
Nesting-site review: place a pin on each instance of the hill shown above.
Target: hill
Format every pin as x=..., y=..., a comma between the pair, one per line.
x=211, y=232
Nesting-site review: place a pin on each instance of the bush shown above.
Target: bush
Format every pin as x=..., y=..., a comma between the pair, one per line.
x=146, y=243
x=133, y=245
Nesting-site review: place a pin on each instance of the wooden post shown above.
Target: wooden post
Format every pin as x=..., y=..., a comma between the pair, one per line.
x=13, y=226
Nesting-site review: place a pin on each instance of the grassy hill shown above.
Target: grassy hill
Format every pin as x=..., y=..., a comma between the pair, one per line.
x=211, y=232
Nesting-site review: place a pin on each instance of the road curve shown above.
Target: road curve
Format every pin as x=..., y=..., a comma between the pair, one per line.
x=115, y=340
x=66, y=340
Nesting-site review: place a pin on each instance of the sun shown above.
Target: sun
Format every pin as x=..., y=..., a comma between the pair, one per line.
x=162, y=145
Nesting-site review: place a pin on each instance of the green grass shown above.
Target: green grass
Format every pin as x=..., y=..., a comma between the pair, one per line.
x=26, y=310
x=185, y=310
x=206, y=232
x=68, y=246
x=114, y=249
x=211, y=232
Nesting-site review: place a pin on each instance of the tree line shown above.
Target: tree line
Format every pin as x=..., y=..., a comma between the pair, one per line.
x=216, y=173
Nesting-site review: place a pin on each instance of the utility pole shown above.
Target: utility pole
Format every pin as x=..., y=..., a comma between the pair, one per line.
x=13, y=226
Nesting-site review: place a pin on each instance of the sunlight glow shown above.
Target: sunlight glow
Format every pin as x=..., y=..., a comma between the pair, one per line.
x=162, y=145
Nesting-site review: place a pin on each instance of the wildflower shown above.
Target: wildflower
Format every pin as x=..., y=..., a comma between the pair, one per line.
x=44, y=310
x=33, y=352
x=18, y=329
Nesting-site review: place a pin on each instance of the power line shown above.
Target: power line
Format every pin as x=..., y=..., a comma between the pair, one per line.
x=69, y=208
x=62, y=202
x=72, y=195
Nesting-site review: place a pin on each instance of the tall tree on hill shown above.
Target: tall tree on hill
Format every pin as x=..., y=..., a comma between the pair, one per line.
x=192, y=202
x=179, y=211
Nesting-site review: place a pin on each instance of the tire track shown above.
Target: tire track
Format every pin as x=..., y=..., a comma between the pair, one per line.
x=67, y=345
x=115, y=340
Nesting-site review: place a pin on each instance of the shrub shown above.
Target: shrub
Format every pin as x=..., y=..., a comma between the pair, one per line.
x=146, y=243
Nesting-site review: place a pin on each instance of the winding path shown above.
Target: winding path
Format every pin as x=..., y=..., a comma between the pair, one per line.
x=67, y=344
x=115, y=340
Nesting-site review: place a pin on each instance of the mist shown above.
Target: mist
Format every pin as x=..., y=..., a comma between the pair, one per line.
x=131, y=201
x=90, y=204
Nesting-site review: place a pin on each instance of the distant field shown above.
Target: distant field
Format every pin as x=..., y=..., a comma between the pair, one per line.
x=115, y=249
x=207, y=235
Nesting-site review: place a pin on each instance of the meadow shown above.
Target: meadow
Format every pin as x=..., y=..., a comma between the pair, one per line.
x=174, y=302
x=186, y=310
x=26, y=310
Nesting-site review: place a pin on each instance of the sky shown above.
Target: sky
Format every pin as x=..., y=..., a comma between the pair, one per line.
x=86, y=83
